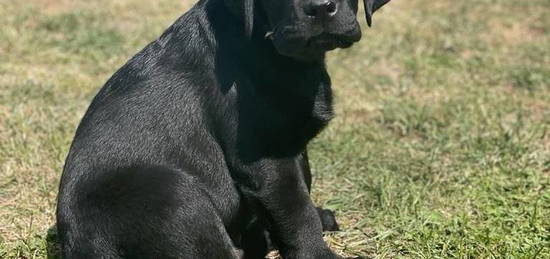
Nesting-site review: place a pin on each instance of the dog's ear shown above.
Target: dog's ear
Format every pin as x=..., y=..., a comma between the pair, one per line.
x=370, y=7
x=248, y=17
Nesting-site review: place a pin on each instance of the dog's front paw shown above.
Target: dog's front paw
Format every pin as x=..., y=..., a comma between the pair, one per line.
x=328, y=220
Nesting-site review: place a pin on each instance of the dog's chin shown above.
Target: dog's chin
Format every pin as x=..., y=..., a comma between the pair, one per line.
x=314, y=48
x=328, y=42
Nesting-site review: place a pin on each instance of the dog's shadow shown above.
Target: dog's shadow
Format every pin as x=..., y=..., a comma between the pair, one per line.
x=52, y=243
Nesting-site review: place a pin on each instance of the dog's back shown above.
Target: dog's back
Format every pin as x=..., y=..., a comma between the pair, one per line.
x=113, y=201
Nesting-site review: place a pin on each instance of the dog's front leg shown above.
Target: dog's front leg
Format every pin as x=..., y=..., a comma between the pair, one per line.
x=278, y=192
x=328, y=220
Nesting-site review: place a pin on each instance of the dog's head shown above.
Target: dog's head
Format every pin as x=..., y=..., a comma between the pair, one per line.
x=306, y=29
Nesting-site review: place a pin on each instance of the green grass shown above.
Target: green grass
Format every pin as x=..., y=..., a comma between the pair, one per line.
x=440, y=148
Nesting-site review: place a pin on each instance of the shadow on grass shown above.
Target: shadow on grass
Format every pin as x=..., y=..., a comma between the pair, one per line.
x=53, y=246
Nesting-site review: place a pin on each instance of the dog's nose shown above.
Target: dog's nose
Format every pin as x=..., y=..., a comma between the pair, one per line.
x=321, y=9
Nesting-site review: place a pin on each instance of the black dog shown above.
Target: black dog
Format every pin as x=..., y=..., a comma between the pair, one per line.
x=196, y=147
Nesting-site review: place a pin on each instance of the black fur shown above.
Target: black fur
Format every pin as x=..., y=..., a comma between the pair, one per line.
x=196, y=148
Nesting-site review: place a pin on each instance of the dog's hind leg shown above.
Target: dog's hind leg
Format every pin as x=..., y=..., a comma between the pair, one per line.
x=145, y=213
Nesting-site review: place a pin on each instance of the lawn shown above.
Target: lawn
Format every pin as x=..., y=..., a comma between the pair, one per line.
x=440, y=147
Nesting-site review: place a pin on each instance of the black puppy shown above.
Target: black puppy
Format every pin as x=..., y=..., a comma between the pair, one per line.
x=196, y=146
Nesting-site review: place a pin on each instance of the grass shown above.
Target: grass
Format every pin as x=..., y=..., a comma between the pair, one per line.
x=441, y=146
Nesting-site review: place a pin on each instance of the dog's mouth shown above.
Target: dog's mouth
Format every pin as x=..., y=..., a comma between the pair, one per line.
x=328, y=42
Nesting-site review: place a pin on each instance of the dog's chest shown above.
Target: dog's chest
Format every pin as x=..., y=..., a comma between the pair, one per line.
x=284, y=124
